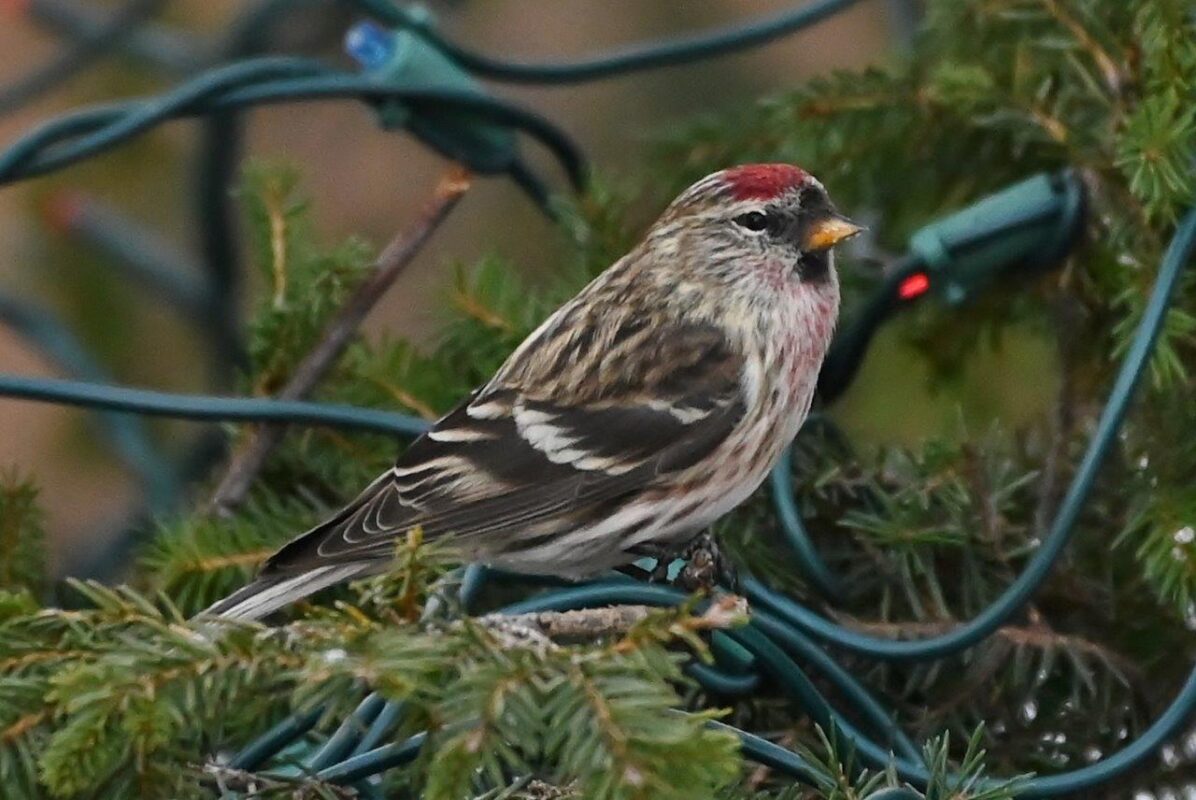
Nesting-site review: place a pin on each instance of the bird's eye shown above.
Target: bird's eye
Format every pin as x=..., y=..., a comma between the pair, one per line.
x=753, y=221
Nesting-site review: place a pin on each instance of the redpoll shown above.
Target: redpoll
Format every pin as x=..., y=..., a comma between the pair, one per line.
x=642, y=410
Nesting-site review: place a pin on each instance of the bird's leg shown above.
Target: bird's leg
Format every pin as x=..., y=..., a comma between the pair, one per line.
x=705, y=566
x=662, y=554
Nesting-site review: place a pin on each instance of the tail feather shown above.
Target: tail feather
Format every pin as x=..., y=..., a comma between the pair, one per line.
x=268, y=594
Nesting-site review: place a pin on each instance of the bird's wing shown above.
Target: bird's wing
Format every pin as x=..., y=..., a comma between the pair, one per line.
x=576, y=423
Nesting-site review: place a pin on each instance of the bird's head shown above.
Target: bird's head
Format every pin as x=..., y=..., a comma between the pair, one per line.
x=759, y=223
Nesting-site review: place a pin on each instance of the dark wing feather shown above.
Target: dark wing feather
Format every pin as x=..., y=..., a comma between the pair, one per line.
x=520, y=461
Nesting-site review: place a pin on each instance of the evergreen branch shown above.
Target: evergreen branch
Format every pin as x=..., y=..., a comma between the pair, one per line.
x=23, y=725
x=466, y=301
x=407, y=399
x=248, y=462
x=273, y=198
x=200, y=558
x=21, y=536
x=530, y=789
x=1112, y=74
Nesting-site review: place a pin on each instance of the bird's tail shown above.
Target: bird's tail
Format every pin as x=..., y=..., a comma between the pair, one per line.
x=272, y=592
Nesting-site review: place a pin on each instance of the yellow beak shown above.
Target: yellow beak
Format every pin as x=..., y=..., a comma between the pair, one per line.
x=828, y=232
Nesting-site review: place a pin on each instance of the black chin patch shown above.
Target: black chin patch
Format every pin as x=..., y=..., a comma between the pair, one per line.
x=814, y=267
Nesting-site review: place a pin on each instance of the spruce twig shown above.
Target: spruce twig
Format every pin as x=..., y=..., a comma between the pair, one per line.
x=588, y=624
x=248, y=462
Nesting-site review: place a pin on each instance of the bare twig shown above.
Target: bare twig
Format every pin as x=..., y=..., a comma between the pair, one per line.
x=580, y=625
x=539, y=790
x=529, y=788
x=595, y=623
x=229, y=779
x=1110, y=72
x=248, y=461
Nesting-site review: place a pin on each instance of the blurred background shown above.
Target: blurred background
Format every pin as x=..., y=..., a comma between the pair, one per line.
x=369, y=182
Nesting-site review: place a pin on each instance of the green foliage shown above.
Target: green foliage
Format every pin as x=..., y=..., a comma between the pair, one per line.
x=1166, y=537
x=304, y=284
x=838, y=777
x=155, y=688
x=128, y=699
x=499, y=701
x=197, y=559
x=22, y=565
x=124, y=698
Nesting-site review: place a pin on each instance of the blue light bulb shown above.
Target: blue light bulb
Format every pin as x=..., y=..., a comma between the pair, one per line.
x=369, y=44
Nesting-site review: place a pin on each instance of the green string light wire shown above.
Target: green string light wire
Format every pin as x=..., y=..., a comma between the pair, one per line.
x=83, y=134
x=127, y=435
x=97, y=129
x=92, y=45
x=789, y=521
x=208, y=408
x=682, y=50
x=338, y=86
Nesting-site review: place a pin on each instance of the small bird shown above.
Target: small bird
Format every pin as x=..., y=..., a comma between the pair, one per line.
x=638, y=413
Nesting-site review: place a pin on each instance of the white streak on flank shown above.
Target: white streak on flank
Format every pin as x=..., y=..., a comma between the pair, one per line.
x=611, y=465
x=688, y=416
x=553, y=441
x=489, y=410
x=684, y=414
x=752, y=380
x=525, y=417
x=459, y=435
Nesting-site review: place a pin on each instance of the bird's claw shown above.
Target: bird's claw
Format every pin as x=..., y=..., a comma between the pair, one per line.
x=706, y=568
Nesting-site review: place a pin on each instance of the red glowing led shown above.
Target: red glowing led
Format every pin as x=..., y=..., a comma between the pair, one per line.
x=913, y=286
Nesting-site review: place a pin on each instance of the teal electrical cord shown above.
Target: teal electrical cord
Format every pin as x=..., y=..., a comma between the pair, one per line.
x=338, y=86
x=673, y=52
x=104, y=127
x=93, y=44
x=273, y=740
x=273, y=79
x=374, y=761
x=812, y=566
x=207, y=407
x=343, y=742
x=128, y=436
